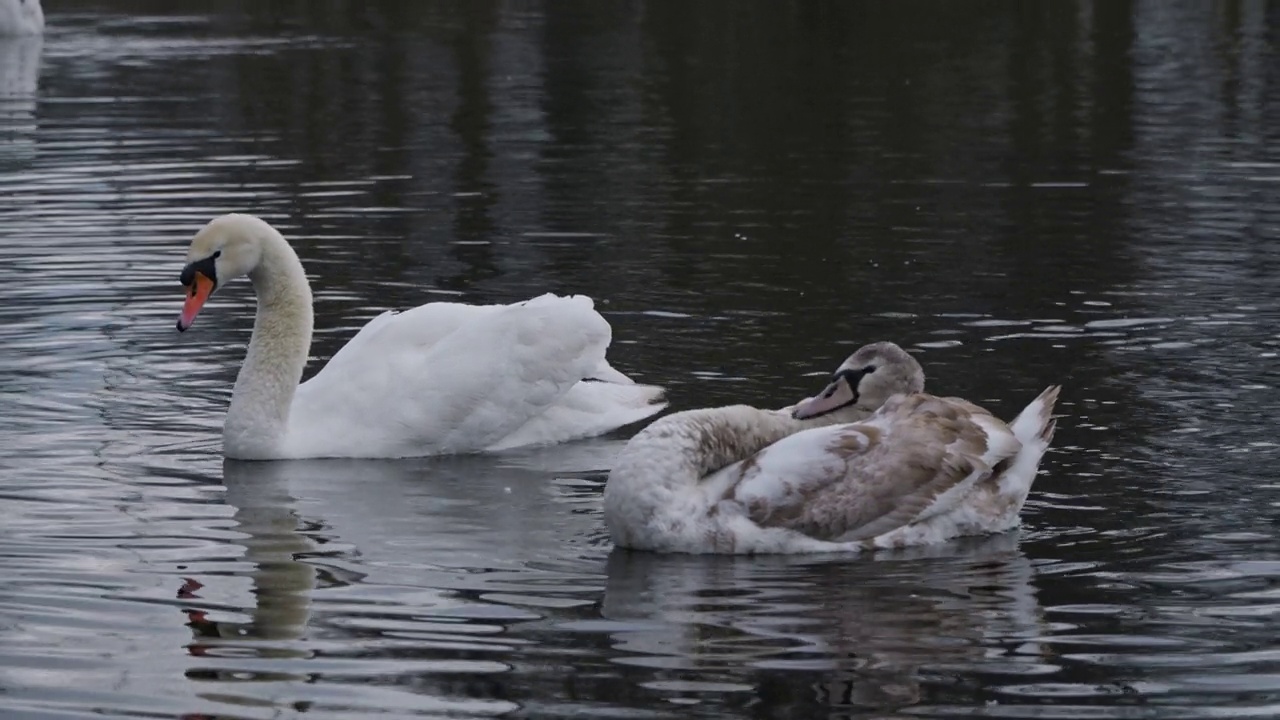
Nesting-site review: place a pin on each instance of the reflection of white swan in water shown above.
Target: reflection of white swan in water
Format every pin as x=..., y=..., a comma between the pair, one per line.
x=21, y=18
x=282, y=583
x=496, y=511
x=868, y=625
x=413, y=522
x=19, y=82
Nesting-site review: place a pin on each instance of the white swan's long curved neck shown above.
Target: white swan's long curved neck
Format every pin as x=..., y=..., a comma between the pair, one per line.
x=258, y=418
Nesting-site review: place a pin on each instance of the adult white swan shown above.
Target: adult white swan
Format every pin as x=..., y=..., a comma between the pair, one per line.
x=441, y=378
x=21, y=17
x=870, y=462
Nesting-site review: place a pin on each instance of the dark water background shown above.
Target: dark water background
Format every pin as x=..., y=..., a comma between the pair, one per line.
x=1028, y=193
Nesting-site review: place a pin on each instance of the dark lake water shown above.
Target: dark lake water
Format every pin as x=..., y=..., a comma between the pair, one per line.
x=1075, y=192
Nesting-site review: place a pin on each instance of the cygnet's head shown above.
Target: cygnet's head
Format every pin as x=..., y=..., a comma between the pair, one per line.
x=228, y=247
x=864, y=382
x=21, y=17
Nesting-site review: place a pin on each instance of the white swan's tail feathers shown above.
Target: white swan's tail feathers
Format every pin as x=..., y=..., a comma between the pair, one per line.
x=605, y=372
x=638, y=396
x=644, y=404
x=612, y=403
x=589, y=409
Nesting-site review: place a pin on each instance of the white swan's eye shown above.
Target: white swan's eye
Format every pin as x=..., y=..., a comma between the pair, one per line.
x=216, y=254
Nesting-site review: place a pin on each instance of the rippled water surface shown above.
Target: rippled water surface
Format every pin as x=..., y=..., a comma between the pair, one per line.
x=1075, y=192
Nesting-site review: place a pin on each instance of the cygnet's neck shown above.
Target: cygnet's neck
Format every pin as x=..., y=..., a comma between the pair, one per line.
x=736, y=433
x=679, y=450
x=258, y=418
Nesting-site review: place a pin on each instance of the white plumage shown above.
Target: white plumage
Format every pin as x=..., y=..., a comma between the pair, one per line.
x=872, y=461
x=21, y=17
x=441, y=378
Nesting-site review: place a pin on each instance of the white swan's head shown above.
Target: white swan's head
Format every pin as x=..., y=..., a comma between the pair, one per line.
x=865, y=381
x=228, y=247
x=21, y=17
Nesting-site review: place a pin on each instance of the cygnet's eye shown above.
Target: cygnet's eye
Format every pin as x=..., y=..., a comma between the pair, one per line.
x=851, y=376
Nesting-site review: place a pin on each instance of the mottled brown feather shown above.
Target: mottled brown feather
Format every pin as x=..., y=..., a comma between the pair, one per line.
x=896, y=465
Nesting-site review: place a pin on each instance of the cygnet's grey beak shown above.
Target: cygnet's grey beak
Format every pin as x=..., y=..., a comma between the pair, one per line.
x=833, y=397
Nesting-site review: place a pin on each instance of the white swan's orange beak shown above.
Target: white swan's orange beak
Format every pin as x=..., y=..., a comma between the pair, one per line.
x=197, y=293
x=833, y=397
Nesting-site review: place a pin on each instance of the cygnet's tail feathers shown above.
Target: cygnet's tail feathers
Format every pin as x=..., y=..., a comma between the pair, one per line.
x=1035, y=424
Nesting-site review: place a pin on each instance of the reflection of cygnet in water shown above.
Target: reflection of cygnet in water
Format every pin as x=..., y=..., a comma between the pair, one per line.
x=282, y=583
x=867, y=627
x=19, y=18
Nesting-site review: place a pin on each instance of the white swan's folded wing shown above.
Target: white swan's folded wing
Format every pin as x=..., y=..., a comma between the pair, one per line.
x=915, y=458
x=415, y=330
x=408, y=389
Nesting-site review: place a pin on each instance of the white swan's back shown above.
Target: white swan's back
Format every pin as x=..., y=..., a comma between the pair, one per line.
x=448, y=378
